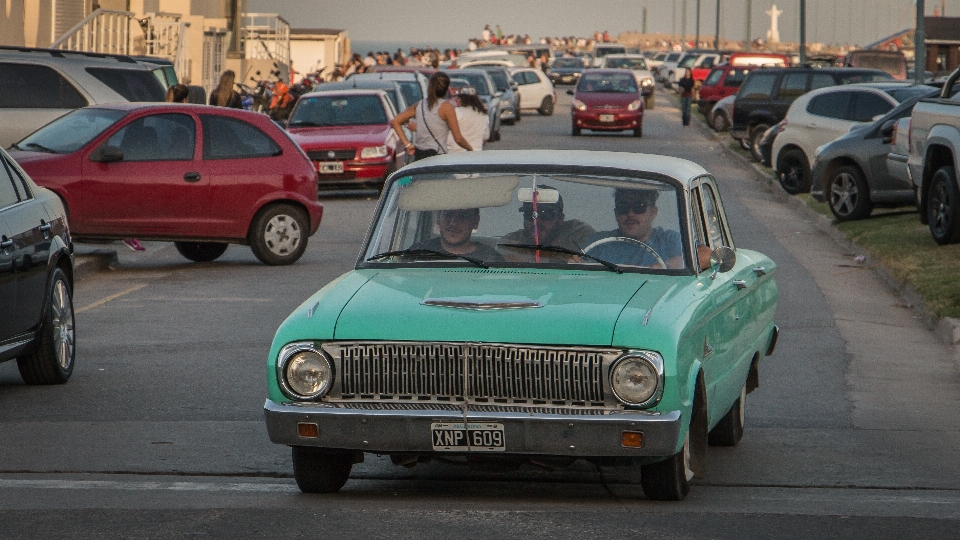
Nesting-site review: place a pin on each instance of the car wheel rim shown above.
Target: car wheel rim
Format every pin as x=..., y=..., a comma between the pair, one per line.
x=844, y=194
x=282, y=235
x=790, y=176
x=687, y=471
x=940, y=208
x=62, y=323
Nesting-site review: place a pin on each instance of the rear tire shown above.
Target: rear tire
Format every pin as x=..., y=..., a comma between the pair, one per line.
x=546, y=106
x=278, y=235
x=576, y=131
x=668, y=480
x=639, y=131
x=320, y=472
x=848, y=194
x=793, y=171
x=719, y=122
x=943, y=207
x=52, y=361
x=729, y=430
x=201, y=251
x=755, y=135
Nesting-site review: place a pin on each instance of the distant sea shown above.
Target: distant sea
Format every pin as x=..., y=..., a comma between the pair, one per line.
x=363, y=47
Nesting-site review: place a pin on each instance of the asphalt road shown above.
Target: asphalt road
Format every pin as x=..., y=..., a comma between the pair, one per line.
x=853, y=433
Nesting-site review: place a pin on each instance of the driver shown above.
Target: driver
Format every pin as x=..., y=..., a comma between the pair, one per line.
x=456, y=228
x=552, y=229
x=636, y=210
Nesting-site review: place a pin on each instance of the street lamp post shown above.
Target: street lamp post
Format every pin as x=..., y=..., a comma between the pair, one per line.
x=803, y=32
x=920, y=47
x=696, y=40
x=716, y=40
x=746, y=39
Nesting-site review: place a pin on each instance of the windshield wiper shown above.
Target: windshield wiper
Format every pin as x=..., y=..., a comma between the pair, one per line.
x=429, y=252
x=41, y=147
x=558, y=249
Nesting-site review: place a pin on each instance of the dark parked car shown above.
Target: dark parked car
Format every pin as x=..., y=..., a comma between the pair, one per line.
x=566, y=70
x=200, y=176
x=766, y=94
x=509, y=98
x=36, y=279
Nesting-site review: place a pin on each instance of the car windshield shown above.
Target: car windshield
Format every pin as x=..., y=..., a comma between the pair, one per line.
x=626, y=63
x=476, y=80
x=568, y=63
x=603, y=51
x=499, y=80
x=713, y=78
x=904, y=94
x=607, y=82
x=520, y=219
x=338, y=110
x=71, y=131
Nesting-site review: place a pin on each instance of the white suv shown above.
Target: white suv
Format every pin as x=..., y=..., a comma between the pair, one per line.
x=40, y=85
x=536, y=90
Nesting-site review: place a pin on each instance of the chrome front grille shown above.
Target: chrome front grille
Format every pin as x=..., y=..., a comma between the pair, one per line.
x=479, y=373
x=340, y=154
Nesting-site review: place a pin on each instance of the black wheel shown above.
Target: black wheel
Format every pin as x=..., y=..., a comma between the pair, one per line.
x=320, y=472
x=52, y=361
x=730, y=428
x=719, y=121
x=546, y=106
x=576, y=131
x=755, y=135
x=668, y=480
x=201, y=251
x=793, y=171
x=744, y=143
x=278, y=235
x=648, y=101
x=639, y=131
x=848, y=194
x=943, y=205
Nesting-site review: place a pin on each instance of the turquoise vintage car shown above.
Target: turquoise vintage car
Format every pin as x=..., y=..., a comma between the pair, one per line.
x=535, y=307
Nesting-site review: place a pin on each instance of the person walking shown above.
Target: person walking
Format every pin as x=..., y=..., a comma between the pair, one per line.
x=473, y=120
x=686, y=95
x=436, y=119
x=224, y=95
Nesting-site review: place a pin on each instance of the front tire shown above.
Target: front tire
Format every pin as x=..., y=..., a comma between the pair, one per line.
x=755, y=135
x=576, y=131
x=648, y=101
x=639, y=131
x=546, y=106
x=668, y=480
x=943, y=207
x=201, y=251
x=729, y=430
x=278, y=235
x=719, y=122
x=848, y=194
x=320, y=472
x=52, y=361
x=793, y=171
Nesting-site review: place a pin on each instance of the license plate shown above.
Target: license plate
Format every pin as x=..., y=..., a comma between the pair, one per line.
x=606, y=118
x=335, y=167
x=478, y=437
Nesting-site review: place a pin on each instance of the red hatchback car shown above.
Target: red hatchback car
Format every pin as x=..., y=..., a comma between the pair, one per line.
x=347, y=135
x=607, y=100
x=202, y=177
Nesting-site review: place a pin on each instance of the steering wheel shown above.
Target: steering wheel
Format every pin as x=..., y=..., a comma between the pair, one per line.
x=628, y=240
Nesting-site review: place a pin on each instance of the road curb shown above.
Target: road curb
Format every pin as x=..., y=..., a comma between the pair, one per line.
x=947, y=329
x=93, y=261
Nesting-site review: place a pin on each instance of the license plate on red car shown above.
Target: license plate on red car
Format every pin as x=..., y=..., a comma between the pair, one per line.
x=606, y=118
x=475, y=437
x=335, y=167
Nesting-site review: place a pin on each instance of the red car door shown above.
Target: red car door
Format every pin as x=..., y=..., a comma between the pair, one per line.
x=156, y=189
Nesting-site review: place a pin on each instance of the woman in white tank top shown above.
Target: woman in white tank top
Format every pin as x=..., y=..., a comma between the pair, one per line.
x=436, y=119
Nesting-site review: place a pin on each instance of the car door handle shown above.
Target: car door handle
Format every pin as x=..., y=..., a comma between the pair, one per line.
x=760, y=271
x=6, y=244
x=192, y=177
x=45, y=229
x=741, y=284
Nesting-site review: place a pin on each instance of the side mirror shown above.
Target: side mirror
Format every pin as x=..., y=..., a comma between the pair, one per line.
x=722, y=260
x=886, y=130
x=498, y=94
x=569, y=92
x=106, y=154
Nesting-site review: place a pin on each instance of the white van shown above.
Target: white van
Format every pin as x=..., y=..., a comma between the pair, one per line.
x=602, y=49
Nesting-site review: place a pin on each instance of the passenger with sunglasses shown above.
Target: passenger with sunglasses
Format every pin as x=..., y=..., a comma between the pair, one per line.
x=636, y=210
x=552, y=229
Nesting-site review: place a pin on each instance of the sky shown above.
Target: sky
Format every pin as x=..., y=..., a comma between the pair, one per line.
x=855, y=22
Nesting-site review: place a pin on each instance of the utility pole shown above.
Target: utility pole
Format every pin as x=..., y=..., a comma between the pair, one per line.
x=716, y=40
x=746, y=39
x=673, y=29
x=683, y=22
x=644, y=24
x=920, y=50
x=696, y=40
x=803, y=32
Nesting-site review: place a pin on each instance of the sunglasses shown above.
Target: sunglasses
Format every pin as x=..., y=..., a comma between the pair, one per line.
x=545, y=212
x=621, y=208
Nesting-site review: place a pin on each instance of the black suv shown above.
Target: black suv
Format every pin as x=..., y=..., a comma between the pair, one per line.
x=766, y=94
x=36, y=279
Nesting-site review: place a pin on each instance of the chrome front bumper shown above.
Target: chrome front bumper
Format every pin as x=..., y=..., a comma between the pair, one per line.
x=409, y=431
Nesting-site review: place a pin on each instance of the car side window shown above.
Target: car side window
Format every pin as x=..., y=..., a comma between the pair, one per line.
x=793, y=86
x=711, y=218
x=830, y=105
x=713, y=78
x=821, y=80
x=696, y=219
x=158, y=137
x=758, y=86
x=8, y=193
x=232, y=138
x=735, y=77
x=868, y=105
x=26, y=86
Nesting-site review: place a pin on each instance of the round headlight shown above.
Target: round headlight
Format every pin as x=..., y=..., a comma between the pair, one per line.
x=635, y=380
x=308, y=373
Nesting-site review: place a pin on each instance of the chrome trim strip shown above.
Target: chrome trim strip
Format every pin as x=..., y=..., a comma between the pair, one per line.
x=478, y=306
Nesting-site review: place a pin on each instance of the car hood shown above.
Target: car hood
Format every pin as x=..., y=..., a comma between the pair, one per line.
x=25, y=157
x=495, y=305
x=614, y=99
x=340, y=136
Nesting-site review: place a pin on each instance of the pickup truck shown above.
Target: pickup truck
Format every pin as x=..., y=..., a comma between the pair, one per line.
x=934, y=159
